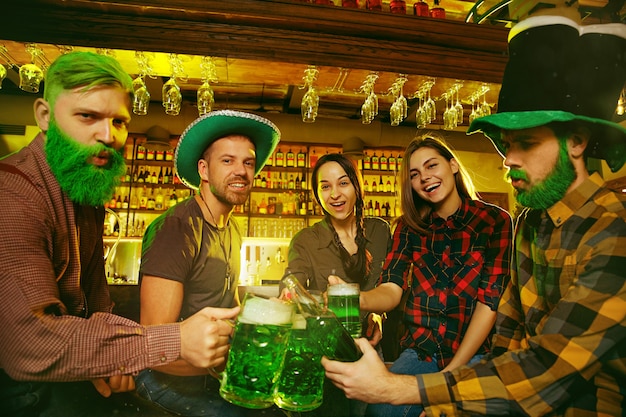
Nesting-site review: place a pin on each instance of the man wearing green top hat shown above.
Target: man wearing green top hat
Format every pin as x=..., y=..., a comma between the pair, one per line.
x=191, y=253
x=559, y=348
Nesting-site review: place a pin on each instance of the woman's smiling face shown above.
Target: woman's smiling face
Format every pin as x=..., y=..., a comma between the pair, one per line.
x=335, y=190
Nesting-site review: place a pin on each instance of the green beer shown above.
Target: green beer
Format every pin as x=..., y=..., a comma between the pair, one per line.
x=300, y=386
x=343, y=300
x=332, y=338
x=256, y=352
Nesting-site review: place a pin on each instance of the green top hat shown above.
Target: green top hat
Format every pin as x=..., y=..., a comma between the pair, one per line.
x=215, y=125
x=559, y=71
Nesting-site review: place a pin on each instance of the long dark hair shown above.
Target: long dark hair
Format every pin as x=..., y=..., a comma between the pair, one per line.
x=357, y=267
x=415, y=211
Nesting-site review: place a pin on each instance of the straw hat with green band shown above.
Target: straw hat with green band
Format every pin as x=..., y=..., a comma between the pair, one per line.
x=560, y=71
x=216, y=125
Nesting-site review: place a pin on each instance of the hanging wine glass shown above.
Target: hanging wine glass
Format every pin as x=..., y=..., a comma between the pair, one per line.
x=485, y=108
x=309, y=105
x=474, y=114
x=3, y=74
x=205, y=95
x=206, y=98
x=458, y=106
x=172, y=97
x=449, y=115
x=429, y=106
x=31, y=75
x=141, y=97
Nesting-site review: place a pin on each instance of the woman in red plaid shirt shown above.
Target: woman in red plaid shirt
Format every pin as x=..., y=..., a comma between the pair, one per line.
x=451, y=252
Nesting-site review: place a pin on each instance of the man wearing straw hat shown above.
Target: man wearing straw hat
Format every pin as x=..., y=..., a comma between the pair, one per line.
x=191, y=253
x=560, y=344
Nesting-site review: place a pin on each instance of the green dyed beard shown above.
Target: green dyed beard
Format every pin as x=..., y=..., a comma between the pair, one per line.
x=84, y=183
x=552, y=189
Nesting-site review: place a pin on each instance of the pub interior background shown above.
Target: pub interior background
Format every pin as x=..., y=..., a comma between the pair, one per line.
x=268, y=57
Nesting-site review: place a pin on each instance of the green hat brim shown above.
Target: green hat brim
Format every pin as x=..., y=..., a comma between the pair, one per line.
x=609, y=144
x=215, y=125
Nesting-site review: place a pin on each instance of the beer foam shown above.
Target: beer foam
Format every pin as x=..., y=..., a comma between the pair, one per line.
x=299, y=322
x=259, y=310
x=343, y=289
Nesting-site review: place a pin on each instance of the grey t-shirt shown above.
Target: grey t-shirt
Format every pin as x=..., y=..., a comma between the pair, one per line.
x=180, y=245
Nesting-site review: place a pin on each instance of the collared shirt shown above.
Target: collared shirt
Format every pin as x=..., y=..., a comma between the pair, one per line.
x=314, y=255
x=55, y=321
x=561, y=327
x=464, y=259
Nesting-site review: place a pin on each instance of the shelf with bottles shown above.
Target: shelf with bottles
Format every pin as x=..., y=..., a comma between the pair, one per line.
x=379, y=161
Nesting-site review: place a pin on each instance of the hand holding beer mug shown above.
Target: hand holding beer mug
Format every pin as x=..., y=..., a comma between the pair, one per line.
x=300, y=386
x=343, y=300
x=256, y=352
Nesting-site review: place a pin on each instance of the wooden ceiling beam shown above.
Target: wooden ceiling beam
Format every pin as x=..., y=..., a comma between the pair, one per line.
x=275, y=30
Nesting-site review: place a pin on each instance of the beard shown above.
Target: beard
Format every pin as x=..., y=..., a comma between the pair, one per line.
x=225, y=196
x=83, y=182
x=552, y=189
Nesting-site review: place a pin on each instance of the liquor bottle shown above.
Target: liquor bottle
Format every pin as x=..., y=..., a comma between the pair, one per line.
x=159, y=155
x=298, y=183
x=291, y=158
x=127, y=176
x=149, y=155
x=280, y=158
x=438, y=12
x=291, y=185
x=377, y=209
x=399, y=162
x=388, y=186
x=141, y=152
x=143, y=200
x=151, y=202
x=125, y=203
x=366, y=186
x=167, y=176
x=303, y=182
x=383, y=162
x=420, y=8
x=392, y=163
x=263, y=182
x=370, y=208
x=158, y=200
x=118, y=202
x=381, y=184
x=322, y=325
x=367, y=161
x=397, y=6
x=312, y=159
x=375, y=162
x=374, y=5
x=140, y=175
x=374, y=186
x=301, y=159
x=160, y=177
x=169, y=155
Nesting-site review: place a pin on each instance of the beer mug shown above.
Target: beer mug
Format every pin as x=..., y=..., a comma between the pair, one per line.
x=256, y=352
x=343, y=300
x=322, y=325
x=300, y=385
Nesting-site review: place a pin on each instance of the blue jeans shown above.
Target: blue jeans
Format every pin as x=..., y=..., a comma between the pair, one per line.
x=196, y=396
x=407, y=363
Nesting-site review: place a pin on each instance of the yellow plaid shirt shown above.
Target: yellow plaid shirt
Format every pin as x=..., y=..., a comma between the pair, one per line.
x=560, y=344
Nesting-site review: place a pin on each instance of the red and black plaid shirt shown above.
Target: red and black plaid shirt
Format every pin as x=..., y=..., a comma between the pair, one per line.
x=464, y=260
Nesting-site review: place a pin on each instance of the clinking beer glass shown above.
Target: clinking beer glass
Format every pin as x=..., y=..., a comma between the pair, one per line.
x=332, y=338
x=300, y=386
x=256, y=352
x=343, y=300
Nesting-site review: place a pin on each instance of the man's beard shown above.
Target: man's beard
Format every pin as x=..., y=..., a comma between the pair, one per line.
x=224, y=196
x=552, y=189
x=84, y=182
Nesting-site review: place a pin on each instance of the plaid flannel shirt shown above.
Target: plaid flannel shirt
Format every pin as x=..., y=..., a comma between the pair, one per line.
x=560, y=347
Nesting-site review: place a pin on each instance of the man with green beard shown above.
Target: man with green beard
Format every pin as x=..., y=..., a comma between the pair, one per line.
x=59, y=343
x=559, y=347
